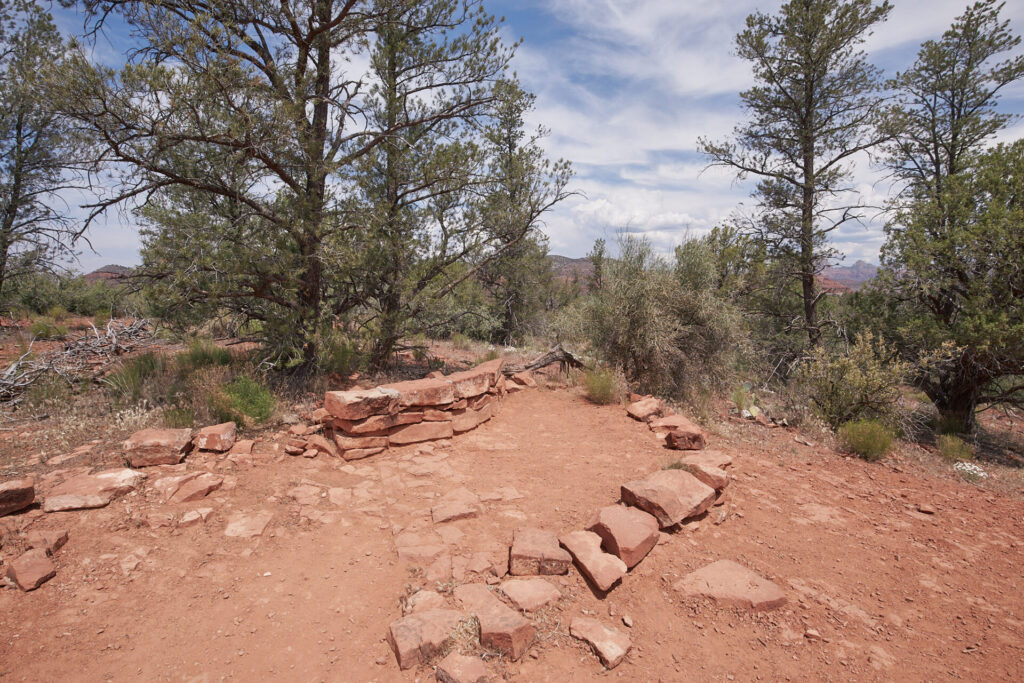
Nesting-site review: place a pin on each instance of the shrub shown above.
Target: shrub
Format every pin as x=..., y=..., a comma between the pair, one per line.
x=602, y=385
x=242, y=400
x=491, y=354
x=856, y=385
x=338, y=355
x=179, y=417
x=953, y=448
x=461, y=342
x=45, y=327
x=665, y=328
x=202, y=353
x=949, y=425
x=869, y=439
x=128, y=383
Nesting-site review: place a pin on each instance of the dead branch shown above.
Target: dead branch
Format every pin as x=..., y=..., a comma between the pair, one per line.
x=556, y=355
x=82, y=358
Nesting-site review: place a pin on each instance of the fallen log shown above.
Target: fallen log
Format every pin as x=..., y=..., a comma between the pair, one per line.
x=557, y=354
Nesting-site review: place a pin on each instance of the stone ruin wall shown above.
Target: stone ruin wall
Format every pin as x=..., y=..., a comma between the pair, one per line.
x=364, y=422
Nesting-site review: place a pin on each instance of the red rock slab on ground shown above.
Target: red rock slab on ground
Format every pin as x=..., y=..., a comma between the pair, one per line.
x=610, y=644
x=456, y=668
x=416, y=638
x=378, y=425
x=16, y=494
x=248, y=524
x=50, y=540
x=157, y=447
x=217, y=438
x=536, y=552
x=458, y=504
x=529, y=595
x=468, y=419
x=524, y=379
x=626, y=532
x=501, y=627
x=714, y=477
x=645, y=409
x=710, y=459
x=602, y=569
x=197, y=488
x=670, y=495
x=729, y=583
x=423, y=392
x=92, y=490
x=32, y=569
x=359, y=404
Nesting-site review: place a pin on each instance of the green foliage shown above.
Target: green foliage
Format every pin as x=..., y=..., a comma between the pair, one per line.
x=812, y=106
x=742, y=398
x=129, y=381
x=492, y=354
x=338, y=355
x=869, y=439
x=603, y=386
x=179, y=417
x=953, y=448
x=45, y=327
x=664, y=328
x=858, y=383
x=461, y=342
x=242, y=400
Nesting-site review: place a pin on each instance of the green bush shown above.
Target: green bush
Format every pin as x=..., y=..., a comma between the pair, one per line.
x=489, y=356
x=242, y=400
x=338, y=355
x=854, y=385
x=202, y=353
x=602, y=385
x=45, y=327
x=949, y=425
x=953, y=448
x=128, y=383
x=869, y=439
x=461, y=342
x=179, y=417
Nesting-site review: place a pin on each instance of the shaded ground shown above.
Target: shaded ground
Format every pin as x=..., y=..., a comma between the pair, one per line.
x=895, y=593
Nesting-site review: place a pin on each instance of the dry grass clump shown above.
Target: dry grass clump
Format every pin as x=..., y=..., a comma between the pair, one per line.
x=869, y=439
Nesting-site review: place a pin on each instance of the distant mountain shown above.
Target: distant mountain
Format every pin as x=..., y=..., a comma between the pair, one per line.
x=853, y=276
x=110, y=272
x=564, y=267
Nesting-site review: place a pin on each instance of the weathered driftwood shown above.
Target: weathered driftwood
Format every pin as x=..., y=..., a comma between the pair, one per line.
x=81, y=358
x=556, y=355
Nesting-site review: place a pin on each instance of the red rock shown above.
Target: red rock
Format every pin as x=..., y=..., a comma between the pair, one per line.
x=32, y=569
x=360, y=453
x=379, y=424
x=470, y=383
x=610, y=644
x=458, y=405
x=168, y=486
x=603, y=569
x=732, y=584
x=712, y=476
x=524, y=379
x=422, y=600
x=358, y=404
x=465, y=420
x=626, y=532
x=242, y=447
x=345, y=443
x=493, y=367
x=248, y=524
x=421, y=554
x=218, y=438
x=416, y=638
x=424, y=431
x=536, y=552
x=322, y=444
x=92, y=490
x=16, y=494
x=436, y=415
x=50, y=540
x=680, y=433
x=670, y=495
x=423, y=392
x=456, y=668
x=716, y=459
x=529, y=595
x=197, y=488
x=645, y=409
x=320, y=415
x=157, y=447
x=458, y=504
x=194, y=517
x=501, y=628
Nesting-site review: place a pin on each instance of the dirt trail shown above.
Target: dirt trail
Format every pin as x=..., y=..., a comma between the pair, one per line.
x=894, y=592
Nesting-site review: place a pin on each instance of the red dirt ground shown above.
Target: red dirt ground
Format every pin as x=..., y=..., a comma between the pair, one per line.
x=895, y=593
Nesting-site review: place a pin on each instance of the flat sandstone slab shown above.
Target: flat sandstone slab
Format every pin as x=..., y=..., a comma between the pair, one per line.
x=418, y=637
x=610, y=644
x=501, y=628
x=670, y=495
x=729, y=583
x=602, y=569
x=536, y=552
x=626, y=532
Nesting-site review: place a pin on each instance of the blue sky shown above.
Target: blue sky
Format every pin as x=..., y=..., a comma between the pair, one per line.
x=627, y=87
